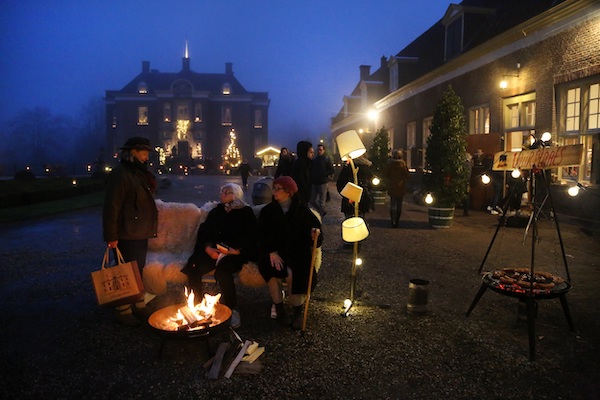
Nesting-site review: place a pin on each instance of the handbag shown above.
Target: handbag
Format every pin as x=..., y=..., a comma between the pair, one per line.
x=118, y=285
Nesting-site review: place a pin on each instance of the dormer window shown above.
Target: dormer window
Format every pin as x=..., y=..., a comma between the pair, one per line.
x=142, y=88
x=226, y=89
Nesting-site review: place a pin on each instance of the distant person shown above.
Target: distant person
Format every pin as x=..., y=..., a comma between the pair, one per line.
x=284, y=165
x=225, y=242
x=395, y=174
x=129, y=214
x=287, y=228
x=321, y=169
x=301, y=169
x=245, y=172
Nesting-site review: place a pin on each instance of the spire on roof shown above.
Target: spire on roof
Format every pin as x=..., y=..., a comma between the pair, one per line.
x=187, y=54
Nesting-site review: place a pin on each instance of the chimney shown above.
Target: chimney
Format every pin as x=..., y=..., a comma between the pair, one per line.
x=185, y=64
x=383, y=62
x=229, y=68
x=145, y=67
x=365, y=71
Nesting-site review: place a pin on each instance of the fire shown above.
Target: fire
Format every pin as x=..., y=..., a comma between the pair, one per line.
x=191, y=315
x=204, y=310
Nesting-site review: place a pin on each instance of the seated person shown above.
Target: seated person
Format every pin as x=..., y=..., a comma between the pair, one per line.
x=226, y=240
x=287, y=228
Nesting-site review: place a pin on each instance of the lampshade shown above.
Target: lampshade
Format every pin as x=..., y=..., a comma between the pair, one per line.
x=352, y=192
x=350, y=145
x=354, y=229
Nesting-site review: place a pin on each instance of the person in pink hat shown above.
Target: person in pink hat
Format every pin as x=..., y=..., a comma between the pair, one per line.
x=287, y=228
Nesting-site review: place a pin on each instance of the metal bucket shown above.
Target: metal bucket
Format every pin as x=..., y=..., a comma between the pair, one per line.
x=418, y=294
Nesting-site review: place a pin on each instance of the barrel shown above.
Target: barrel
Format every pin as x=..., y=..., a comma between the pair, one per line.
x=418, y=293
x=379, y=197
x=441, y=217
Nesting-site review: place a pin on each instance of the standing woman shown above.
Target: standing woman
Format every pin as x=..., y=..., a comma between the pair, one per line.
x=395, y=174
x=225, y=242
x=129, y=215
x=287, y=228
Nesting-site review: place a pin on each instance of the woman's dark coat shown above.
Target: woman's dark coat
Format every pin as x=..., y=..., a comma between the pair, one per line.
x=129, y=211
x=290, y=236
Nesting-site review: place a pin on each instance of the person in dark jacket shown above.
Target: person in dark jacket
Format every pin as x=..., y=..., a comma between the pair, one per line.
x=225, y=242
x=301, y=169
x=365, y=176
x=395, y=174
x=287, y=228
x=245, y=172
x=321, y=169
x=285, y=163
x=129, y=215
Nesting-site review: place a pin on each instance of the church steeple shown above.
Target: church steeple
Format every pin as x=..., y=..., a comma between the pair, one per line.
x=186, y=58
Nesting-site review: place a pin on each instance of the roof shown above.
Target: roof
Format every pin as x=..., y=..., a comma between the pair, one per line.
x=201, y=82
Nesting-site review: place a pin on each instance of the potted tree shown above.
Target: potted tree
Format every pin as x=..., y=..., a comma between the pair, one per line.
x=445, y=178
x=379, y=153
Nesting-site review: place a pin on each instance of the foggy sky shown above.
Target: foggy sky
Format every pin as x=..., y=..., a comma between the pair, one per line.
x=306, y=53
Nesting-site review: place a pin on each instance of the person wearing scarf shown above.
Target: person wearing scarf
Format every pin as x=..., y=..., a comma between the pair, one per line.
x=129, y=214
x=225, y=242
x=286, y=229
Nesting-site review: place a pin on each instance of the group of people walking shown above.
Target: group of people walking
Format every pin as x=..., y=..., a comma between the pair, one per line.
x=280, y=240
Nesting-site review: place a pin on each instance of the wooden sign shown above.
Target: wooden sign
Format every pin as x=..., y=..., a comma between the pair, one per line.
x=544, y=158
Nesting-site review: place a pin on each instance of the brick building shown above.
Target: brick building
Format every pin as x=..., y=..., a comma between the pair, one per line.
x=192, y=118
x=520, y=67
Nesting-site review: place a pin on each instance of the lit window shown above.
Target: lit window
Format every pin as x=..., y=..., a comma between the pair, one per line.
x=594, y=106
x=513, y=116
x=573, y=107
x=226, y=90
x=142, y=88
x=530, y=113
x=258, y=119
x=479, y=120
x=198, y=112
x=142, y=116
x=182, y=112
x=167, y=112
x=226, y=116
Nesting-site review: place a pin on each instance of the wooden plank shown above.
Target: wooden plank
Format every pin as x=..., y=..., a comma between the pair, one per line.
x=254, y=356
x=218, y=360
x=248, y=369
x=237, y=359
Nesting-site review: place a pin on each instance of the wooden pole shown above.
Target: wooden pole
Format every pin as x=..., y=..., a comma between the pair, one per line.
x=310, y=277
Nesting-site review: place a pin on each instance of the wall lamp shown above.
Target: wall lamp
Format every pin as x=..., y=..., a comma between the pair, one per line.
x=504, y=83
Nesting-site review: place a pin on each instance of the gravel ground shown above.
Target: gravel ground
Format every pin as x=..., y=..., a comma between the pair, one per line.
x=56, y=343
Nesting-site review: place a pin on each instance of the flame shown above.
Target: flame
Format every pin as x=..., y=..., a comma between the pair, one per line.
x=204, y=310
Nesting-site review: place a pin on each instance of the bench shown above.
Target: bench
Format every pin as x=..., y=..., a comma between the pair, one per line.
x=168, y=253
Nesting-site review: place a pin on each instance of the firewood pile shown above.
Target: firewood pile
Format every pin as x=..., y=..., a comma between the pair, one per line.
x=240, y=357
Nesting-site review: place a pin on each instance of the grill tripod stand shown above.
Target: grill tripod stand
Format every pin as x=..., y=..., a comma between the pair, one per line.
x=528, y=295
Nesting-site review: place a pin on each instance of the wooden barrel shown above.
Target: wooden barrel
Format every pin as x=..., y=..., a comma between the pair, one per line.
x=379, y=197
x=441, y=217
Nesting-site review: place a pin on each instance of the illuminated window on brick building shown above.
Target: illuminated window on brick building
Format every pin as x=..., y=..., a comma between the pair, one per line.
x=573, y=107
x=479, y=120
x=594, y=117
x=167, y=112
x=198, y=112
x=142, y=116
x=226, y=116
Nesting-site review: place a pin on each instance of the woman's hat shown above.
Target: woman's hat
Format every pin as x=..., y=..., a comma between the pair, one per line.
x=287, y=183
x=137, y=143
